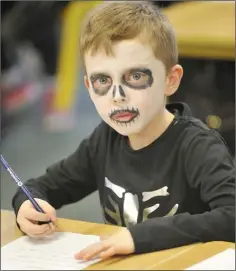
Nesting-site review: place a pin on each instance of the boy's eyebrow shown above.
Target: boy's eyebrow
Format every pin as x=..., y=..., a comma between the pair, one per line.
x=95, y=74
x=135, y=68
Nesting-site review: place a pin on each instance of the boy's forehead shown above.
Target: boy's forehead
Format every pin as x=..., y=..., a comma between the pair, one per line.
x=128, y=53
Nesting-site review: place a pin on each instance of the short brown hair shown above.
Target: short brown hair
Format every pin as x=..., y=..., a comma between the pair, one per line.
x=116, y=21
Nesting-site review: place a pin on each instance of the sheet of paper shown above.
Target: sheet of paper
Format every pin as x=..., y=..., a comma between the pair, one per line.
x=51, y=253
x=222, y=261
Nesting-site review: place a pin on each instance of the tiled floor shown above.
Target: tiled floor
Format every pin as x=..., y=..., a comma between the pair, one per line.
x=29, y=150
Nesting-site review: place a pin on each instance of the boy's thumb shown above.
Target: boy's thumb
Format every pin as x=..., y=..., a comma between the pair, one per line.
x=48, y=209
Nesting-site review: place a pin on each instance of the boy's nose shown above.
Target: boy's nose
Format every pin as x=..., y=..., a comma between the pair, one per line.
x=119, y=94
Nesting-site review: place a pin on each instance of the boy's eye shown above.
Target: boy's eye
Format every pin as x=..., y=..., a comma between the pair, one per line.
x=138, y=78
x=103, y=80
x=101, y=84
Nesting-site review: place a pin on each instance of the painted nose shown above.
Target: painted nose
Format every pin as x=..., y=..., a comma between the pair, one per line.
x=118, y=94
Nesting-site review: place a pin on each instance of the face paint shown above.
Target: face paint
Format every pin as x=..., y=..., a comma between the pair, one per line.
x=138, y=78
x=121, y=92
x=128, y=90
x=101, y=83
x=124, y=116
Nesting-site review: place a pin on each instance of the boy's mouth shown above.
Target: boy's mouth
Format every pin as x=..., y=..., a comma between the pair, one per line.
x=124, y=115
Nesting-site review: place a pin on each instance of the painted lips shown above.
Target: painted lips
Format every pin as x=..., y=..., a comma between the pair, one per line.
x=124, y=115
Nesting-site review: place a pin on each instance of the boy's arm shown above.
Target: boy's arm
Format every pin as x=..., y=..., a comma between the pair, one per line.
x=210, y=169
x=69, y=180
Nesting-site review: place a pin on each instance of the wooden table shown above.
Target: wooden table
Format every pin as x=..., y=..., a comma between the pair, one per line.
x=204, y=29
x=172, y=259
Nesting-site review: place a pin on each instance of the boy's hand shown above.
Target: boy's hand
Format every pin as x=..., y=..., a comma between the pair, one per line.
x=119, y=243
x=28, y=219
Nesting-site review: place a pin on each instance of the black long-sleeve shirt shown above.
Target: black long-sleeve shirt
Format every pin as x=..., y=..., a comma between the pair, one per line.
x=178, y=190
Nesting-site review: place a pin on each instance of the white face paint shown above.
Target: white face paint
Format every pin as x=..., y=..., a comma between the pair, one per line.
x=127, y=88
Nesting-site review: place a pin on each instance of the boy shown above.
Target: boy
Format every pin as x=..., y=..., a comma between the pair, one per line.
x=161, y=174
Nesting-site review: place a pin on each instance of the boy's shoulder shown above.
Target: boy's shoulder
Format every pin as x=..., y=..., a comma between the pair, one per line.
x=196, y=135
x=196, y=127
x=192, y=132
x=189, y=124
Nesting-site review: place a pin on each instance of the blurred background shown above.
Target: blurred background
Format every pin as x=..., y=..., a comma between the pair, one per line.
x=45, y=108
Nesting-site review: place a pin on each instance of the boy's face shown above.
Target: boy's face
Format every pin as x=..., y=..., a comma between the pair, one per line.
x=128, y=89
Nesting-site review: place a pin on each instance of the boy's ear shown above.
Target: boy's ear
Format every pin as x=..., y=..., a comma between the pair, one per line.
x=86, y=81
x=173, y=80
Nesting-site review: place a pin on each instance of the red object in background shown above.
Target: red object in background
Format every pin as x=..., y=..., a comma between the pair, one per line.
x=14, y=100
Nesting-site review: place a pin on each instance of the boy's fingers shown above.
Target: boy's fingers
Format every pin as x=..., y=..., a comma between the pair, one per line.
x=48, y=209
x=108, y=253
x=92, y=251
x=51, y=212
x=52, y=226
x=47, y=233
x=32, y=214
x=32, y=229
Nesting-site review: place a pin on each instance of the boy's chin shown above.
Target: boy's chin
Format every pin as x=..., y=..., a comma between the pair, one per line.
x=126, y=129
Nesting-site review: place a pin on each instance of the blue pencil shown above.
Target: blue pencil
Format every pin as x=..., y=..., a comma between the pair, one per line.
x=23, y=187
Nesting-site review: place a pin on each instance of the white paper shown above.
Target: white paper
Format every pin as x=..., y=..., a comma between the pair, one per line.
x=51, y=253
x=222, y=261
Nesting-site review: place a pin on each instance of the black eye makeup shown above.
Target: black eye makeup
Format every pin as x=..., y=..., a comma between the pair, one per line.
x=101, y=83
x=138, y=78
x=135, y=78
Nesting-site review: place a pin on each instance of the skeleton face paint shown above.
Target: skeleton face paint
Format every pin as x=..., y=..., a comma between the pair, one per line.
x=138, y=78
x=127, y=88
x=122, y=93
x=124, y=116
x=101, y=83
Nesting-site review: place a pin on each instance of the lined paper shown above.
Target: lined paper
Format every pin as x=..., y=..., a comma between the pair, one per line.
x=51, y=253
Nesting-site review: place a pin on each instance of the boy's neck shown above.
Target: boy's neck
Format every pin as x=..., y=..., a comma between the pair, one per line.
x=151, y=132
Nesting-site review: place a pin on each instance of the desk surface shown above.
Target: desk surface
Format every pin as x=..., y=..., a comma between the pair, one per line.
x=204, y=28
x=177, y=259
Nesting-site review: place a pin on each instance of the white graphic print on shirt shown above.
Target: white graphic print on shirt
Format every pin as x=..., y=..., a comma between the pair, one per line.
x=132, y=203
